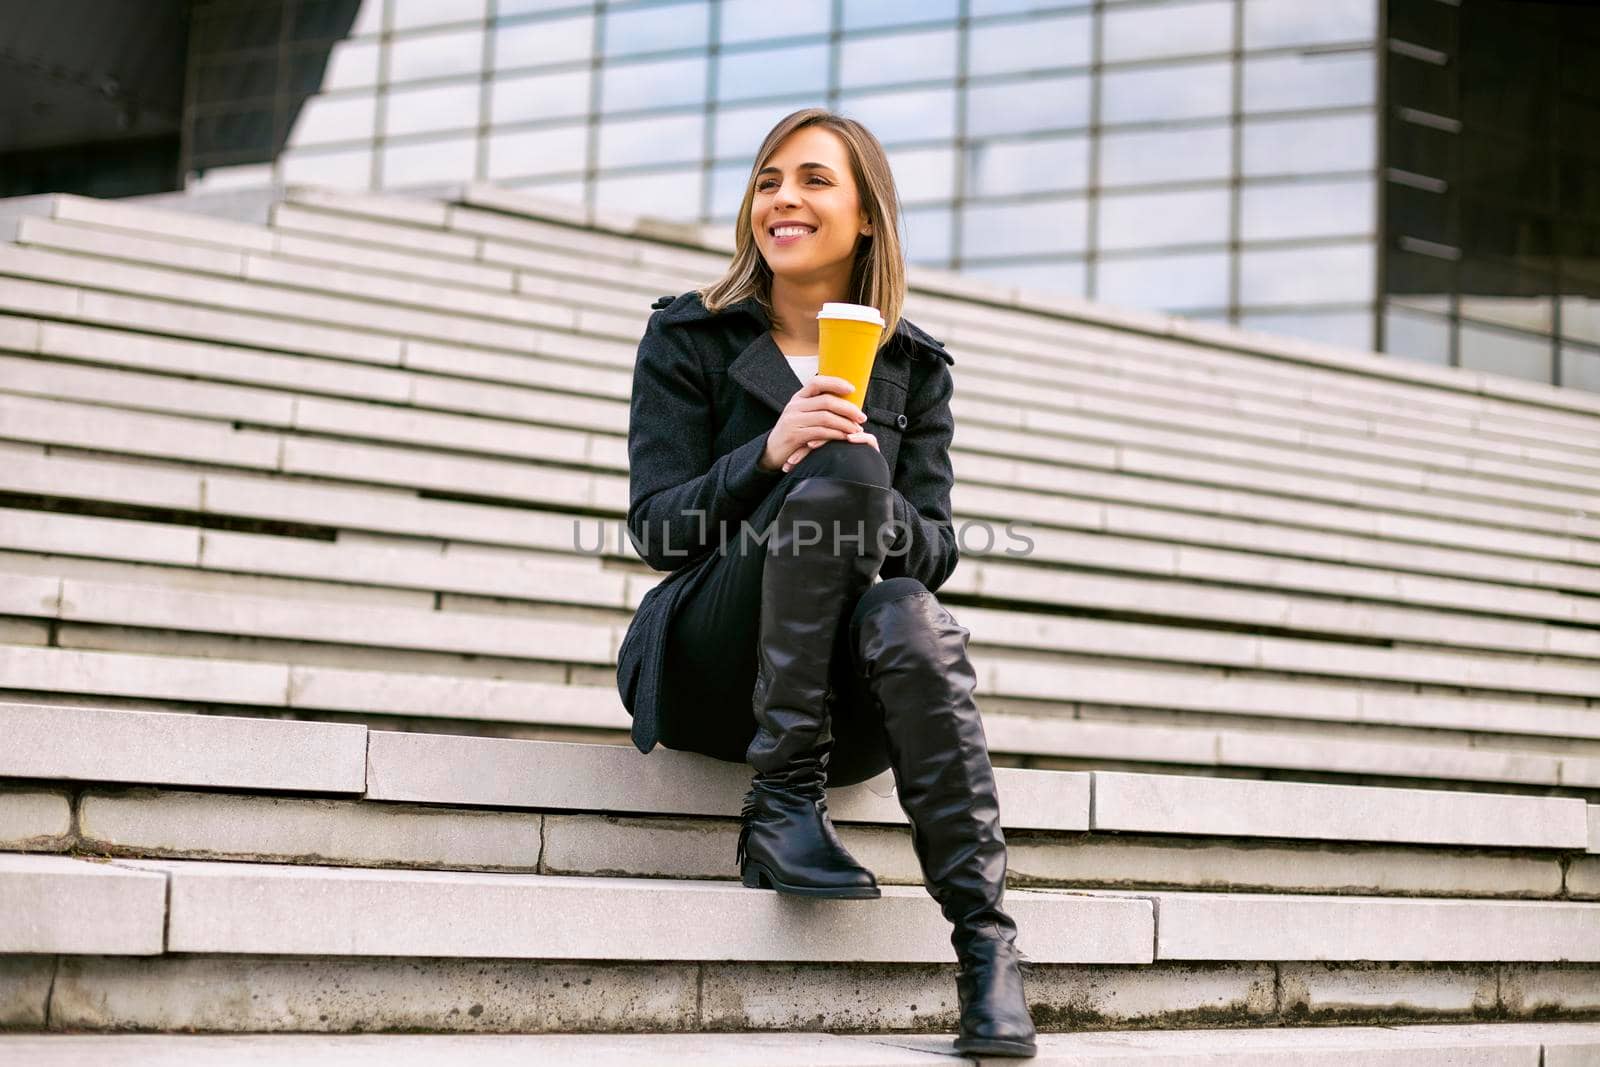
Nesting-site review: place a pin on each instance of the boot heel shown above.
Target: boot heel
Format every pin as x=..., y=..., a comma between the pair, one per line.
x=751, y=876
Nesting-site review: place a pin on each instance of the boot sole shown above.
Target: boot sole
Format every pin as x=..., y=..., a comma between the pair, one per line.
x=756, y=876
x=988, y=1046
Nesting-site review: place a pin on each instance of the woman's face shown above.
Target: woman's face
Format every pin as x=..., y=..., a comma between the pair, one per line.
x=807, y=183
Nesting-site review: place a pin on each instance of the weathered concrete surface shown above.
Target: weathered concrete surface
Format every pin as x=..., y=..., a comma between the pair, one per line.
x=64, y=904
x=343, y=994
x=1476, y=1045
x=1237, y=807
x=1259, y=926
x=34, y=820
x=919, y=998
x=445, y=769
x=1351, y=991
x=1529, y=989
x=234, y=752
x=25, y=990
x=1242, y=866
x=307, y=910
x=151, y=822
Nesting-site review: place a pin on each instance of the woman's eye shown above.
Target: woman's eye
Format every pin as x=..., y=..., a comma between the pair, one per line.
x=813, y=178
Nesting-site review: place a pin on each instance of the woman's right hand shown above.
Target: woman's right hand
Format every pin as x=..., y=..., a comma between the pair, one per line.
x=818, y=412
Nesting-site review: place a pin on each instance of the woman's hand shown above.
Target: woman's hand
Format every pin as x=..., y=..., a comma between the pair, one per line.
x=818, y=413
x=860, y=438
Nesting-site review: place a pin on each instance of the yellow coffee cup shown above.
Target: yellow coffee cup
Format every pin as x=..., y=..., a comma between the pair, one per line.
x=847, y=344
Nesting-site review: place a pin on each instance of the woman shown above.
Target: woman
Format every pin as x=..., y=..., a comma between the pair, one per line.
x=774, y=502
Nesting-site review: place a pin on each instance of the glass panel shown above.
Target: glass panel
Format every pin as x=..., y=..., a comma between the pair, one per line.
x=1277, y=23
x=1176, y=282
x=1148, y=31
x=1017, y=229
x=1036, y=44
x=506, y=8
x=444, y=107
x=1190, y=91
x=727, y=188
x=412, y=13
x=529, y=44
x=1505, y=352
x=865, y=14
x=1050, y=164
x=1307, y=209
x=1536, y=314
x=1348, y=329
x=1150, y=220
x=671, y=195
x=351, y=66
x=656, y=29
x=1305, y=145
x=1284, y=83
x=1580, y=367
x=924, y=174
x=324, y=118
x=899, y=57
x=539, y=96
x=1015, y=7
x=346, y=170
x=752, y=20
x=1064, y=278
x=369, y=19
x=1135, y=157
x=1414, y=335
x=741, y=130
x=1026, y=106
x=658, y=139
x=1580, y=317
x=1322, y=275
x=665, y=83
x=919, y=114
x=772, y=71
x=436, y=55
x=528, y=152
x=454, y=159
x=926, y=232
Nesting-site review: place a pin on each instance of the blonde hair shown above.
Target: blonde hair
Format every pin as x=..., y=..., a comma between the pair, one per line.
x=878, y=275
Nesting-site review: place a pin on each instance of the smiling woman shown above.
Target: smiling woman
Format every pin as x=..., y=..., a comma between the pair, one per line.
x=816, y=660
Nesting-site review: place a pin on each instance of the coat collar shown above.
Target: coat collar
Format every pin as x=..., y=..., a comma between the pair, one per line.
x=760, y=367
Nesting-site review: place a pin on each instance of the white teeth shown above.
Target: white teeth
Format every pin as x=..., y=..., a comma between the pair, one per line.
x=789, y=231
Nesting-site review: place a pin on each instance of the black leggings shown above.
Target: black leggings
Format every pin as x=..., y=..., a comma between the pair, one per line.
x=710, y=670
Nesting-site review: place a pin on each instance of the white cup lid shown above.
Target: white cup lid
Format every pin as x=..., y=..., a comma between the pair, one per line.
x=859, y=312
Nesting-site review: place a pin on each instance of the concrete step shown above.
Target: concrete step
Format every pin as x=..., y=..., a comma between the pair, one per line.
x=495, y=420
x=389, y=511
x=52, y=742
x=1312, y=747
x=299, y=909
x=306, y=910
x=337, y=620
x=1153, y=433
x=579, y=580
x=174, y=823
x=1505, y=1044
x=1431, y=458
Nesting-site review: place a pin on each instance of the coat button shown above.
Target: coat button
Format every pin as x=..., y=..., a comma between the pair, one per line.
x=900, y=421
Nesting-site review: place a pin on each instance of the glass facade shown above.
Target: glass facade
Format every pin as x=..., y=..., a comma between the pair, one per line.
x=1220, y=159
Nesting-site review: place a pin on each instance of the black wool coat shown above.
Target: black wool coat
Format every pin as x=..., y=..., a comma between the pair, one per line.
x=707, y=389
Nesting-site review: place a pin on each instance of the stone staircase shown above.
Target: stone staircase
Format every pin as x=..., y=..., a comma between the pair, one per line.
x=313, y=572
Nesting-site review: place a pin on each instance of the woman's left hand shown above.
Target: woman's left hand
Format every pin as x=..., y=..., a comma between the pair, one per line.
x=861, y=438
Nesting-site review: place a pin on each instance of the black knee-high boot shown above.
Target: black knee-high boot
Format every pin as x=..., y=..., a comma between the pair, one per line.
x=913, y=655
x=787, y=842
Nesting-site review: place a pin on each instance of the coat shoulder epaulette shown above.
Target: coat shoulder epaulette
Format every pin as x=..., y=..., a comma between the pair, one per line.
x=662, y=302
